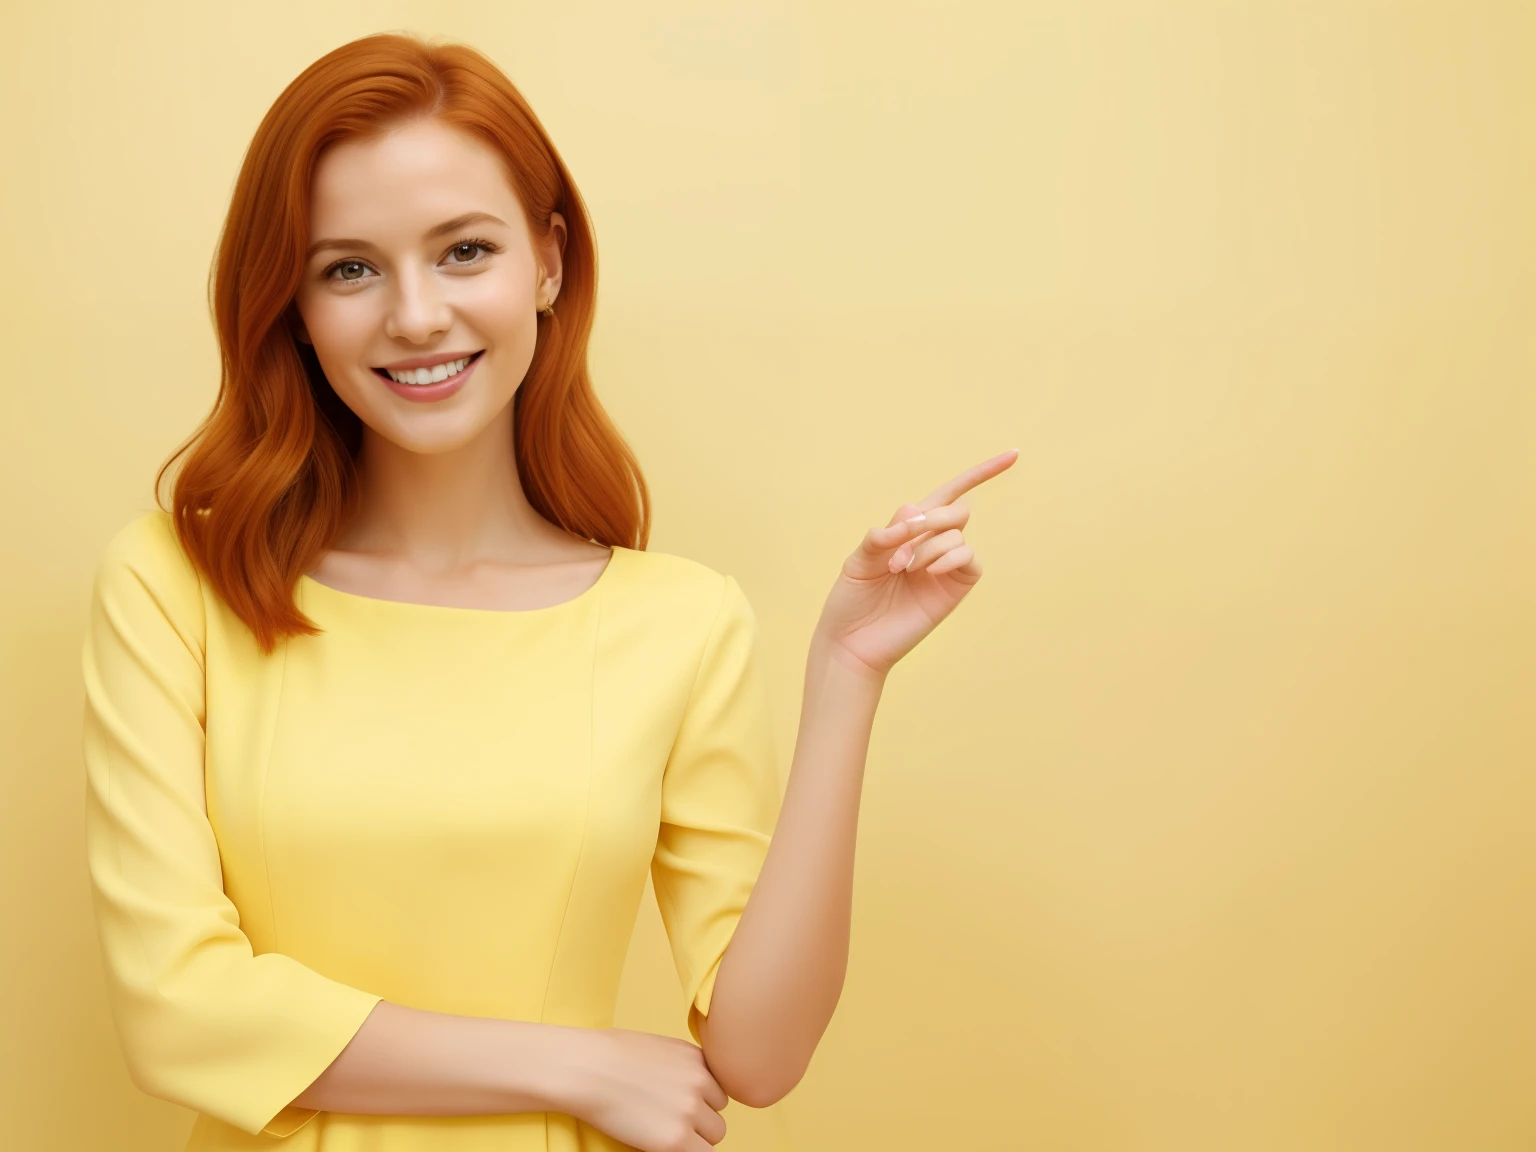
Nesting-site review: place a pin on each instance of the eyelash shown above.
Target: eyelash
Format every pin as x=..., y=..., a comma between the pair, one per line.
x=491, y=249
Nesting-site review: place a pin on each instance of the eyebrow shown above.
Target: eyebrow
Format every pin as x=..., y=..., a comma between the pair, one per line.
x=432, y=233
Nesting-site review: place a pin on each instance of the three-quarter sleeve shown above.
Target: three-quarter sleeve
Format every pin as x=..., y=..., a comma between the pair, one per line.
x=720, y=801
x=203, y=1022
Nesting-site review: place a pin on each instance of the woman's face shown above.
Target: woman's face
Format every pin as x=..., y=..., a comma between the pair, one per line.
x=421, y=256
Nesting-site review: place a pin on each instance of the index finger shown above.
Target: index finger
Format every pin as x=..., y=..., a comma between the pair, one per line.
x=952, y=490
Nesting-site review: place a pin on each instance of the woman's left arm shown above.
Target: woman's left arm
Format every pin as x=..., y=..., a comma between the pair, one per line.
x=782, y=973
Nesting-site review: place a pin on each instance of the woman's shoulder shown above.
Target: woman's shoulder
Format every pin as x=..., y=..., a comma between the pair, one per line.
x=146, y=552
x=669, y=574
x=685, y=587
x=146, y=546
x=146, y=597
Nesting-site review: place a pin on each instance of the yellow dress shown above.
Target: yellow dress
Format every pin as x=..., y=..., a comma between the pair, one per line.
x=453, y=809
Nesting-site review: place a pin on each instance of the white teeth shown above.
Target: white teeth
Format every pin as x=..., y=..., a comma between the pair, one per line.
x=429, y=375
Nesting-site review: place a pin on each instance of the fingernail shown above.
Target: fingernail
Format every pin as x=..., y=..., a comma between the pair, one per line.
x=915, y=519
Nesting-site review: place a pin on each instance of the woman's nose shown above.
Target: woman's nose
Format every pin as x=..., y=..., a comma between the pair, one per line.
x=419, y=310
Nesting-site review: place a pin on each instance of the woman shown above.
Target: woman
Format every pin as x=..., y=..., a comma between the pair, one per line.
x=390, y=713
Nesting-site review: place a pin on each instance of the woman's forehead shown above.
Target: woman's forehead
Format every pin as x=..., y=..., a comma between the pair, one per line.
x=419, y=175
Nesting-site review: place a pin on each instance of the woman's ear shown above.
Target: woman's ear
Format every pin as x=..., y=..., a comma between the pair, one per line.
x=550, y=252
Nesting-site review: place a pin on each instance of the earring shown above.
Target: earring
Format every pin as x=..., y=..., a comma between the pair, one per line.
x=548, y=310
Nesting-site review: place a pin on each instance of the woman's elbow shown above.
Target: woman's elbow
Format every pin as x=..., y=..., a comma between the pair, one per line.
x=749, y=1075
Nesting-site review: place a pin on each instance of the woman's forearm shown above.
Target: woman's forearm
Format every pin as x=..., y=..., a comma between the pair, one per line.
x=407, y=1061
x=783, y=971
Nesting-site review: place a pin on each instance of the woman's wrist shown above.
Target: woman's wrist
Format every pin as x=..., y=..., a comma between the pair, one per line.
x=564, y=1068
x=825, y=654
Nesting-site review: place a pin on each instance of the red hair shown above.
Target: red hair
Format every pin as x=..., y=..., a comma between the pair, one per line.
x=269, y=479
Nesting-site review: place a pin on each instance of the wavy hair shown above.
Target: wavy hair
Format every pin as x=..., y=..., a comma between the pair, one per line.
x=268, y=479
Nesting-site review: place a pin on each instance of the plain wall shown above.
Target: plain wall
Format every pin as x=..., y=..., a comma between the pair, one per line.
x=1205, y=823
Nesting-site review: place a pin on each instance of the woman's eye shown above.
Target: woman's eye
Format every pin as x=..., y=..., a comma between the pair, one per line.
x=469, y=252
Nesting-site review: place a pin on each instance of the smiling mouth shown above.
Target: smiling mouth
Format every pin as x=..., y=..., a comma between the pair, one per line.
x=420, y=377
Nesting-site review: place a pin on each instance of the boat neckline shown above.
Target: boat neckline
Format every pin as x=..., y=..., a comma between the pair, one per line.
x=464, y=609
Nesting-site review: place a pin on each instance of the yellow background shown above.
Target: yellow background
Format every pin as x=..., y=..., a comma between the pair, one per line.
x=1206, y=823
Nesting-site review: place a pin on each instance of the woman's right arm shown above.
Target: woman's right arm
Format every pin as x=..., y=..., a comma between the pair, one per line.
x=651, y=1092
x=410, y=1061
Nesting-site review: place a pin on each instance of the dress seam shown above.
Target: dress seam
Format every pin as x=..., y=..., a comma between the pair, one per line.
x=693, y=687
x=261, y=808
x=586, y=821
x=698, y=668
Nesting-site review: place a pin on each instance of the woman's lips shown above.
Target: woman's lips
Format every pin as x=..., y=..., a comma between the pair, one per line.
x=425, y=393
